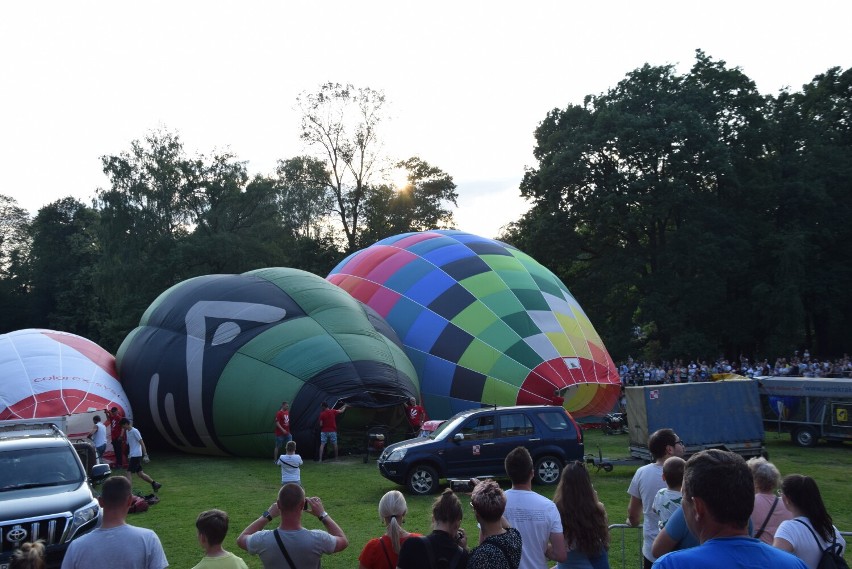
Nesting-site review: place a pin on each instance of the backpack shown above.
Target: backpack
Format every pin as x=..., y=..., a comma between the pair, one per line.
x=138, y=505
x=831, y=556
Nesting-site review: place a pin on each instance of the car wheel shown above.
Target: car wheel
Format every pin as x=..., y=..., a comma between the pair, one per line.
x=422, y=480
x=547, y=470
x=805, y=437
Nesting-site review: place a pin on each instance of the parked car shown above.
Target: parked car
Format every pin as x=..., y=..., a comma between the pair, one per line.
x=474, y=443
x=45, y=490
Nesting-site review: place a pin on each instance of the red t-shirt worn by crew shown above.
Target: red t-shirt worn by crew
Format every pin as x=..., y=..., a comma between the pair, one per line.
x=328, y=420
x=416, y=415
x=282, y=418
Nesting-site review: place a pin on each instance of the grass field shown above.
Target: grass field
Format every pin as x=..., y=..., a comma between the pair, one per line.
x=350, y=491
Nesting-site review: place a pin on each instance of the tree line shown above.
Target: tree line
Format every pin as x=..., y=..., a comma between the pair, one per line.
x=691, y=216
x=696, y=218
x=168, y=216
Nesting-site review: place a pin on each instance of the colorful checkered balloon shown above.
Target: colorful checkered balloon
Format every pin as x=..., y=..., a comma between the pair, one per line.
x=483, y=323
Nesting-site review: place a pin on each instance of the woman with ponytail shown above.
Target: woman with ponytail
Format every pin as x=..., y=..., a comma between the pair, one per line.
x=811, y=531
x=383, y=552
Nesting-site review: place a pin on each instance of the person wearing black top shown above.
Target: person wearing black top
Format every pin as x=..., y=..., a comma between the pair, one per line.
x=446, y=546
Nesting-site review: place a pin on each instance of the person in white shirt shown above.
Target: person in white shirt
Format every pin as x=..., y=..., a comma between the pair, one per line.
x=136, y=454
x=533, y=515
x=647, y=481
x=98, y=436
x=290, y=464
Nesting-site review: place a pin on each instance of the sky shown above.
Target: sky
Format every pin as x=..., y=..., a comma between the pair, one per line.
x=467, y=81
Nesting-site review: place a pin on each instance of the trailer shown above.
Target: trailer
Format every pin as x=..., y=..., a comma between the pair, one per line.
x=809, y=409
x=720, y=414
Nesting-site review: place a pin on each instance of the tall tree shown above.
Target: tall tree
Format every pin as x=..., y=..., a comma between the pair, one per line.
x=632, y=200
x=14, y=255
x=305, y=199
x=63, y=293
x=342, y=123
x=423, y=203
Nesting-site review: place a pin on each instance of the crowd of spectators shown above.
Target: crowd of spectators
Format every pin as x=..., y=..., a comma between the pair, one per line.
x=635, y=372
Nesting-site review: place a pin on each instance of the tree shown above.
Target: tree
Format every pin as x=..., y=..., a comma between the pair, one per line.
x=62, y=285
x=635, y=202
x=420, y=205
x=14, y=253
x=305, y=199
x=342, y=122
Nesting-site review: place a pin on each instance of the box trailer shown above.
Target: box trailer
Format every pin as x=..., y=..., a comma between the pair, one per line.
x=808, y=408
x=720, y=414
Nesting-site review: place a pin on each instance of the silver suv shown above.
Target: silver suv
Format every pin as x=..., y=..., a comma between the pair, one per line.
x=45, y=492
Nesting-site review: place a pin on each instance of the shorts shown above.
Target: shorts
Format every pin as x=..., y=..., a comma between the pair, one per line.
x=101, y=450
x=328, y=438
x=281, y=440
x=135, y=464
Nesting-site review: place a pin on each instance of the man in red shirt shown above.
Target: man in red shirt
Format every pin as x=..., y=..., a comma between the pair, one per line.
x=328, y=427
x=116, y=433
x=282, y=429
x=416, y=415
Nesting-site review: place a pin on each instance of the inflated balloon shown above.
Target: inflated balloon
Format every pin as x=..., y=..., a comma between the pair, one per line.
x=214, y=357
x=44, y=373
x=483, y=323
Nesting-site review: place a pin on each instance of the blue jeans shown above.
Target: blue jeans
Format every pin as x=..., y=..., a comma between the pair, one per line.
x=578, y=560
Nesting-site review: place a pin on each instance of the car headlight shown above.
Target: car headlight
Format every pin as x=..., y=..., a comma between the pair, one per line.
x=85, y=514
x=397, y=455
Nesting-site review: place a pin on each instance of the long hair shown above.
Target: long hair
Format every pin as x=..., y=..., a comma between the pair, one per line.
x=584, y=520
x=803, y=492
x=29, y=556
x=392, y=508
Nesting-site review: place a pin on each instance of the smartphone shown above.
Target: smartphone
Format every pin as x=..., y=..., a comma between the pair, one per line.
x=461, y=485
x=307, y=504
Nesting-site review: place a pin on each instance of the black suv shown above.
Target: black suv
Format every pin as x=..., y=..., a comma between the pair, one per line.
x=474, y=443
x=45, y=492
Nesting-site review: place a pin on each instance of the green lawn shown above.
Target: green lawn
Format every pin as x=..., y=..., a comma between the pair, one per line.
x=350, y=491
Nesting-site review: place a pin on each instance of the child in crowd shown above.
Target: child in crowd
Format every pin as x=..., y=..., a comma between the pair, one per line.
x=668, y=499
x=212, y=528
x=290, y=464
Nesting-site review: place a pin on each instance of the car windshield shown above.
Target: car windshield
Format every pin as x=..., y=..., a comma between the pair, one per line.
x=32, y=468
x=448, y=426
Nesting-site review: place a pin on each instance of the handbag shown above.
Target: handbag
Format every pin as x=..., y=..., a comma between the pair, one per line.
x=766, y=521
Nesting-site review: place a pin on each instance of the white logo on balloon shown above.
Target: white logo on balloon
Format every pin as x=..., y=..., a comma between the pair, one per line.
x=196, y=332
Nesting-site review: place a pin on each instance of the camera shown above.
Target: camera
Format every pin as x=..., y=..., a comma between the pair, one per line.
x=461, y=485
x=307, y=504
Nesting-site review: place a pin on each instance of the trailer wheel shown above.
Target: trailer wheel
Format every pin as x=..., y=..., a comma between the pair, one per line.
x=805, y=437
x=607, y=467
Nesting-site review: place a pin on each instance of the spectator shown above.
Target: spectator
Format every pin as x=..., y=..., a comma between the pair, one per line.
x=212, y=527
x=98, y=437
x=667, y=499
x=383, y=552
x=534, y=516
x=446, y=546
x=811, y=531
x=676, y=535
x=290, y=545
x=718, y=495
x=769, y=510
x=290, y=465
x=499, y=543
x=647, y=481
x=584, y=520
x=137, y=454
x=328, y=428
x=282, y=429
x=115, y=541
x=30, y=555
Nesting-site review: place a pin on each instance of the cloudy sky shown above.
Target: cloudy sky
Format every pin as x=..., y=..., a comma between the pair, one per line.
x=468, y=81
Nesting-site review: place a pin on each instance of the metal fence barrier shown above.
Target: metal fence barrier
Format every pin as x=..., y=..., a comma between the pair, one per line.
x=622, y=547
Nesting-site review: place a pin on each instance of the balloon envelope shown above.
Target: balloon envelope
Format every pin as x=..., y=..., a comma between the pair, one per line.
x=483, y=323
x=214, y=357
x=45, y=373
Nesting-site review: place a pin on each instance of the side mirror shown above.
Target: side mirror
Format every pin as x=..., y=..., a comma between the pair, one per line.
x=100, y=472
x=458, y=437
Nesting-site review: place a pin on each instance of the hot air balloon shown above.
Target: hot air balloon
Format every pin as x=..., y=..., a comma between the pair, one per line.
x=45, y=373
x=483, y=323
x=214, y=356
